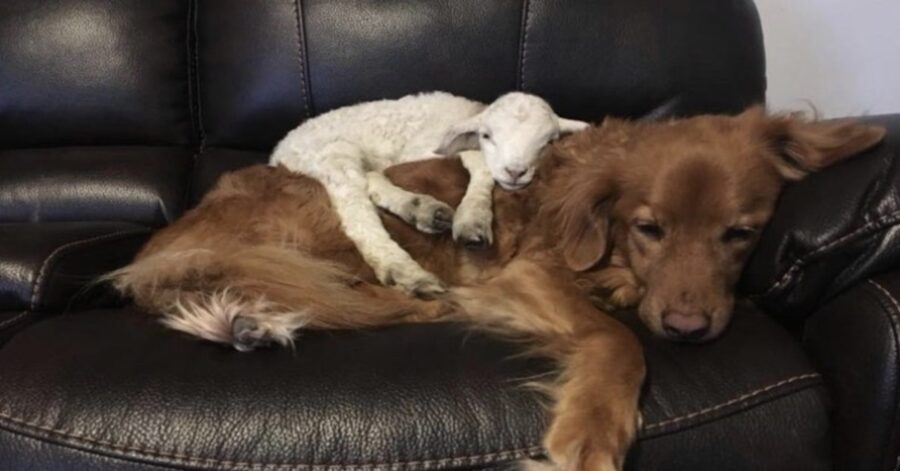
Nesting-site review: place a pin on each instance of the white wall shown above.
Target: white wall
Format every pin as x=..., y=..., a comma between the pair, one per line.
x=841, y=55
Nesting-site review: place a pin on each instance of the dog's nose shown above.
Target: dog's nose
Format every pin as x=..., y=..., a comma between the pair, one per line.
x=685, y=326
x=515, y=173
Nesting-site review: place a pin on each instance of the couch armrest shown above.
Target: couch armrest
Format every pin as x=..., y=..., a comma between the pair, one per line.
x=854, y=341
x=49, y=266
x=830, y=231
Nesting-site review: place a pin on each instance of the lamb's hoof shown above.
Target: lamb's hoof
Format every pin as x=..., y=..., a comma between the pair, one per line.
x=442, y=219
x=430, y=215
x=476, y=242
x=474, y=236
x=247, y=335
x=414, y=281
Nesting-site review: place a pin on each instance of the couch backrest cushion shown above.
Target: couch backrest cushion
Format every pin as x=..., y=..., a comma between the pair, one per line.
x=266, y=65
x=84, y=72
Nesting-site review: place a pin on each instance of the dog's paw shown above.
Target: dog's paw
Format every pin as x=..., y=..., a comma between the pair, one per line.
x=247, y=335
x=472, y=227
x=412, y=279
x=428, y=214
x=576, y=445
x=620, y=288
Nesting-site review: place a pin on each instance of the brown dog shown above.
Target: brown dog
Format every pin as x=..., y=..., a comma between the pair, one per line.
x=682, y=201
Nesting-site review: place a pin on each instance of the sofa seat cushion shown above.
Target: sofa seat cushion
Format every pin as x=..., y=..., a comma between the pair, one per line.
x=42, y=266
x=101, y=386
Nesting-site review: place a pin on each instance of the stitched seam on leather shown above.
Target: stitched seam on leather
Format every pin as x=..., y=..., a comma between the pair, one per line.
x=38, y=285
x=789, y=275
x=732, y=402
x=195, y=67
x=301, y=57
x=486, y=458
x=894, y=318
x=523, y=41
x=14, y=319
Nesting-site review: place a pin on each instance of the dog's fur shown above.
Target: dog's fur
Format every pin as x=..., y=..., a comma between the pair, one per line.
x=681, y=202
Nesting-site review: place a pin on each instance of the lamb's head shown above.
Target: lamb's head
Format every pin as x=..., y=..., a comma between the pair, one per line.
x=511, y=132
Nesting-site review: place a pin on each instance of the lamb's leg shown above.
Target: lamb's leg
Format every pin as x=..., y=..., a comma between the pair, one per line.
x=346, y=184
x=428, y=214
x=474, y=215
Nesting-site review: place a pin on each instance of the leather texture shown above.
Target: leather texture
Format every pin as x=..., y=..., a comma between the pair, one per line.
x=589, y=59
x=48, y=266
x=830, y=231
x=854, y=341
x=143, y=185
x=84, y=72
x=116, y=384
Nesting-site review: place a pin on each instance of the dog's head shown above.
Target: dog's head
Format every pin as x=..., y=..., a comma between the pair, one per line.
x=681, y=203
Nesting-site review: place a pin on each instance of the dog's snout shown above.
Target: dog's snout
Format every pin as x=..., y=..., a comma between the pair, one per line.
x=515, y=173
x=686, y=325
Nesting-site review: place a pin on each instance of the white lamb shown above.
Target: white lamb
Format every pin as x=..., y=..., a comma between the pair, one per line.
x=347, y=150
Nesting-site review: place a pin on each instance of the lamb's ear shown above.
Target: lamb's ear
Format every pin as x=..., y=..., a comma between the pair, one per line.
x=461, y=136
x=802, y=146
x=567, y=126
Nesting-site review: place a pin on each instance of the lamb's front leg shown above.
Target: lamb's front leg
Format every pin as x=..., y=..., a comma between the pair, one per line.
x=359, y=218
x=426, y=213
x=474, y=215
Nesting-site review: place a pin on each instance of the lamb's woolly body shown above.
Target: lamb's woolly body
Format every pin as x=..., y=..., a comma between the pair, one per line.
x=347, y=149
x=386, y=132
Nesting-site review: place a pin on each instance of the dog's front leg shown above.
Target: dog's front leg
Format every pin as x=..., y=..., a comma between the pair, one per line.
x=595, y=413
x=596, y=416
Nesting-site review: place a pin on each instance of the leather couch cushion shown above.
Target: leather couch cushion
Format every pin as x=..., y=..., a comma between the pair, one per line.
x=117, y=384
x=854, y=341
x=82, y=72
x=830, y=231
x=589, y=59
x=144, y=185
x=42, y=266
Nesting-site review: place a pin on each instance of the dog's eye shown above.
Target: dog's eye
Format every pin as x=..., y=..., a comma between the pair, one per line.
x=650, y=229
x=738, y=234
x=486, y=136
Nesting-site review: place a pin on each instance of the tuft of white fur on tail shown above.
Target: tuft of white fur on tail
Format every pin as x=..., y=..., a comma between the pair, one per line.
x=209, y=317
x=212, y=316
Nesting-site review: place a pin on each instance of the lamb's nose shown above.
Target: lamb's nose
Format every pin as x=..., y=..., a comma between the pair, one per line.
x=515, y=173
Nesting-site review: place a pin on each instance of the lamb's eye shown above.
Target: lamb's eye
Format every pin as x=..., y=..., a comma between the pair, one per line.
x=738, y=234
x=486, y=136
x=650, y=229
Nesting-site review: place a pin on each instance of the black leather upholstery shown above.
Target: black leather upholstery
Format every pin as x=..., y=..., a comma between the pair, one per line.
x=84, y=72
x=590, y=59
x=42, y=266
x=143, y=185
x=855, y=342
x=117, y=115
x=410, y=397
x=831, y=232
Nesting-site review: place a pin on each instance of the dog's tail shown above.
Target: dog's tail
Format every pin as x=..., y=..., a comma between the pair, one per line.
x=246, y=294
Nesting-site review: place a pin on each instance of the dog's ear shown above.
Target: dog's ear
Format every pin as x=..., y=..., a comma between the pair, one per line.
x=802, y=146
x=579, y=205
x=461, y=136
